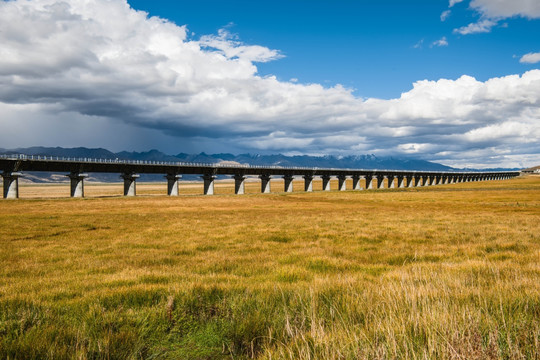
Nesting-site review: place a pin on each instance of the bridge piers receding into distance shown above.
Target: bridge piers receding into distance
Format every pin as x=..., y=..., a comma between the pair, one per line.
x=13, y=166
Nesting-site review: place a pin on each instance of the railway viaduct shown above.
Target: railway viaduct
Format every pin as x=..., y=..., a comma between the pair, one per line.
x=13, y=166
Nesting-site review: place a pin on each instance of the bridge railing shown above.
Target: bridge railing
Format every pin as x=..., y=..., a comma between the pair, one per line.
x=220, y=165
x=145, y=162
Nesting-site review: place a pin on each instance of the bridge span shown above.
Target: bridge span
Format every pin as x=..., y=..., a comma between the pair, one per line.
x=77, y=169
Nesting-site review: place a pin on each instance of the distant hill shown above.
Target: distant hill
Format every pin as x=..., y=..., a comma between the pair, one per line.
x=532, y=170
x=81, y=152
x=328, y=161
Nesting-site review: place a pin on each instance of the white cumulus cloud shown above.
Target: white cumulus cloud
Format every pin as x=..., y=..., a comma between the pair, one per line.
x=454, y=2
x=530, y=58
x=441, y=42
x=493, y=11
x=99, y=73
x=483, y=26
x=505, y=9
x=445, y=15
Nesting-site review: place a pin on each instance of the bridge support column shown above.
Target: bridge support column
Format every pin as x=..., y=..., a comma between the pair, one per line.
x=425, y=181
x=356, y=182
x=77, y=184
x=288, y=183
x=391, y=181
x=417, y=181
x=326, y=182
x=409, y=182
x=400, y=181
x=265, y=183
x=239, y=184
x=380, y=181
x=208, y=184
x=438, y=180
x=369, y=182
x=308, y=183
x=342, y=182
x=172, y=184
x=11, y=184
x=130, y=188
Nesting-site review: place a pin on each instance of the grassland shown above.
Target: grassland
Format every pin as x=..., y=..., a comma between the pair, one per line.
x=445, y=272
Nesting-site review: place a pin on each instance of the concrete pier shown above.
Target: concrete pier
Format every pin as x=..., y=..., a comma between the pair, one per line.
x=425, y=180
x=417, y=181
x=288, y=183
x=239, y=184
x=369, y=182
x=77, y=184
x=130, y=186
x=409, y=182
x=380, y=181
x=342, y=182
x=400, y=181
x=11, y=184
x=391, y=181
x=356, y=182
x=208, y=184
x=308, y=183
x=265, y=183
x=172, y=184
x=326, y=182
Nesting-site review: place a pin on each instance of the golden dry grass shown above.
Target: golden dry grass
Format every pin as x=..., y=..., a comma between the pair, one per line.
x=449, y=272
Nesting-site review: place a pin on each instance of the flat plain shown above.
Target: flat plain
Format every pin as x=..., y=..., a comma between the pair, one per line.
x=440, y=272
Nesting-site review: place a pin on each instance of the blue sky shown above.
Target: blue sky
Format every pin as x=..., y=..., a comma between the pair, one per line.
x=455, y=82
x=377, y=48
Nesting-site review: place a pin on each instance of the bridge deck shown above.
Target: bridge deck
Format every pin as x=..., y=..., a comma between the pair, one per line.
x=17, y=163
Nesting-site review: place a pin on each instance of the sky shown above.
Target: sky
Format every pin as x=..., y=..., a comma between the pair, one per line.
x=455, y=82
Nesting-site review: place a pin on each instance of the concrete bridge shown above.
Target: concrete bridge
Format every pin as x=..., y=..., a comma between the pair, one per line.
x=13, y=166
